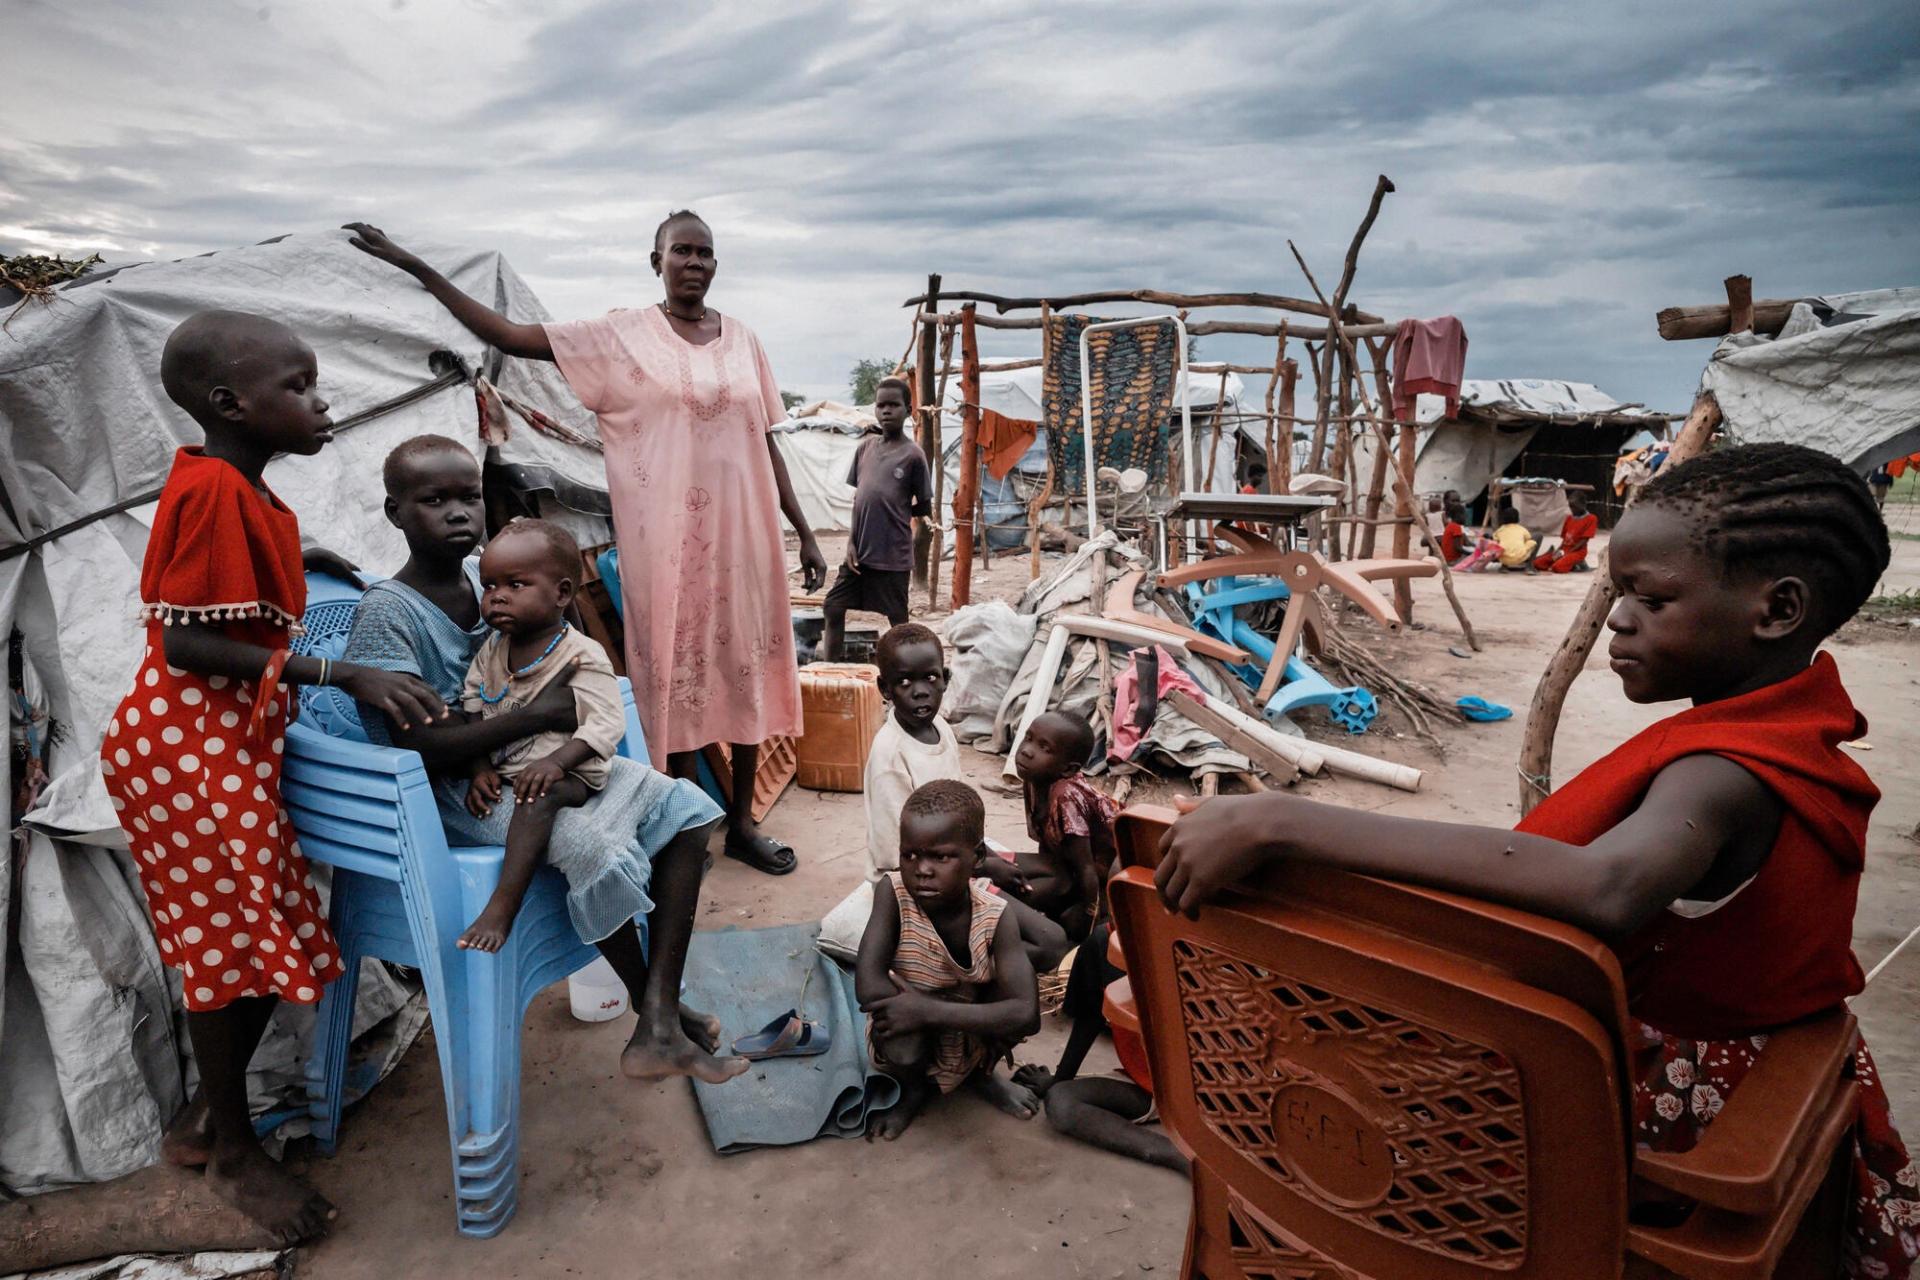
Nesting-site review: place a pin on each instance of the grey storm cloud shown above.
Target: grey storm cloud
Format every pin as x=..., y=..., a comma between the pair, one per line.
x=1563, y=171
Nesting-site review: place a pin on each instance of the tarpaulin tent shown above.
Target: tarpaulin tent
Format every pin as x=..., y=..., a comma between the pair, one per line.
x=92, y=1057
x=1575, y=427
x=1842, y=376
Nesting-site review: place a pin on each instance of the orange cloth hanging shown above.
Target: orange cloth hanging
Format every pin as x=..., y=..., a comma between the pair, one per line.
x=1004, y=441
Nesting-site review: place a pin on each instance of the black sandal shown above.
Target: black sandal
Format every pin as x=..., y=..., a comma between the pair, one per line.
x=763, y=853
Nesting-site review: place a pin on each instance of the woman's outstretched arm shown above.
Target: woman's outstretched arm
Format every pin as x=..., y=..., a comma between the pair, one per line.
x=528, y=341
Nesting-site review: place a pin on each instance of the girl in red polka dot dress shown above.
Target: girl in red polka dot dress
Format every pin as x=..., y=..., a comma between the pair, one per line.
x=192, y=757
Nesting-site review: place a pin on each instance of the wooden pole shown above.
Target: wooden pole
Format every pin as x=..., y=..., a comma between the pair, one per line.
x=929, y=433
x=1281, y=478
x=1039, y=503
x=1376, y=486
x=938, y=464
x=1739, y=304
x=1274, y=301
x=1406, y=436
x=969, y=486
x=1677, y=324
x=1543, y=716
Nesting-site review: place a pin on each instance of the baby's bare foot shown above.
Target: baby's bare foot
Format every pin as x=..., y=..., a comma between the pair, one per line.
x=489, y=932
x=656, y=1057
x=248, y=1180
x=189, y=1139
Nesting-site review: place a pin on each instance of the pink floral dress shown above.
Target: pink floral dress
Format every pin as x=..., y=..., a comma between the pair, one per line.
x=696, y=515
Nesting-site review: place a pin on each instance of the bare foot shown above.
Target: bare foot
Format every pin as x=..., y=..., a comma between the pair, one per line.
x=891, y=1123
x=655, y=1057
x=1034, y=1078
x=489, y=932
x=189, y=1139
x=701, y=1028
x=1016, y=1100
x=248, y=1180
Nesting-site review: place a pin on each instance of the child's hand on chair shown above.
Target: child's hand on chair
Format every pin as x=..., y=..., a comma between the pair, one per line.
x=1215, y=844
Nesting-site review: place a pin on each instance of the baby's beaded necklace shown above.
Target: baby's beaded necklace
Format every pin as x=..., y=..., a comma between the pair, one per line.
x=491, y=698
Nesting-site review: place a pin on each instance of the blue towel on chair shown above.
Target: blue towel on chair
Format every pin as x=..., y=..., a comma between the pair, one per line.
x=747, y=977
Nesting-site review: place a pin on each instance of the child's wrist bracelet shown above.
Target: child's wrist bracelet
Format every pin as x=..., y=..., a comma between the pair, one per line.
x=326, y=672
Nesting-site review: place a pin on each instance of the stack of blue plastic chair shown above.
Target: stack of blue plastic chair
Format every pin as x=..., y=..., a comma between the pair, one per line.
x=1352, y=708
x=401, y=895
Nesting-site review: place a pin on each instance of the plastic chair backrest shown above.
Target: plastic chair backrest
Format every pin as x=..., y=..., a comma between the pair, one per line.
x=329, y=619
x=1380, y=1079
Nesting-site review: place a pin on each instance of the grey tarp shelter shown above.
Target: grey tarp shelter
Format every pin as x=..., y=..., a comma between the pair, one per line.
x=90, y=1043
x=1842, y=376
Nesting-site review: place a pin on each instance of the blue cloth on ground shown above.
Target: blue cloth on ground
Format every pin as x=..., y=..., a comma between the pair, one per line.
x=747, y=976
x=1485, y=712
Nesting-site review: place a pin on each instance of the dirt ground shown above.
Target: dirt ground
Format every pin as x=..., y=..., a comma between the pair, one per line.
x=619, y=1178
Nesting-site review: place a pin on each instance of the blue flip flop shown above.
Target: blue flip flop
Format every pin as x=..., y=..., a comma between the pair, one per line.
x=1485, y=712
x=787, y=1036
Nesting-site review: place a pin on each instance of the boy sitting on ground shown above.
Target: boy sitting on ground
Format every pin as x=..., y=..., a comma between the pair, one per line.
x=912, y=748
x=1073, y=822
x=889, y=476
x=527, y=576
x=942, y=973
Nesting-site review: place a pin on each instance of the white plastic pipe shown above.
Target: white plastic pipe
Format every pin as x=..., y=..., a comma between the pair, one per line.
x=1066, y=625
x=1086, y=409
x=1311, y=757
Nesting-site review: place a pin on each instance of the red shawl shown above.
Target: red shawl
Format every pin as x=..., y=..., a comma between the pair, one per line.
x=221, y=550
x=1781, y=948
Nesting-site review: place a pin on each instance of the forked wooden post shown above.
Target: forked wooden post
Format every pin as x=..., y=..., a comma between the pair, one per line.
x=926, y=552
x=968, y=488
x=1550, y=695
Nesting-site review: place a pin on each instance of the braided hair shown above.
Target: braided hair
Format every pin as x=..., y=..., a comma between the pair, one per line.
x=953, y=799
x=1780, y=510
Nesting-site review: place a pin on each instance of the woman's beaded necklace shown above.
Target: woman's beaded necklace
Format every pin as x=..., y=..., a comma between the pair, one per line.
x=491, y=698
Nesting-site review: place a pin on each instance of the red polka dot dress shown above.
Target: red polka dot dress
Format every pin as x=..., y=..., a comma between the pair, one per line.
x=191, y=768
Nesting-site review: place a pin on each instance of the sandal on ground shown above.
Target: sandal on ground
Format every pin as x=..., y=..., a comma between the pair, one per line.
x=763, y=853
x=787, y=1036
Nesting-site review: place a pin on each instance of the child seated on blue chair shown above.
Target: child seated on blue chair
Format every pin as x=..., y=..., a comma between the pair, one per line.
x=527, y=577
x=636, y=847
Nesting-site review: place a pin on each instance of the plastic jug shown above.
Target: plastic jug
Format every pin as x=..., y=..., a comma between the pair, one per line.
x=596, y=992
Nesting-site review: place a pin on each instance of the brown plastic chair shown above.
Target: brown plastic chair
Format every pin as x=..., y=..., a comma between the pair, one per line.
x=1374, y=1080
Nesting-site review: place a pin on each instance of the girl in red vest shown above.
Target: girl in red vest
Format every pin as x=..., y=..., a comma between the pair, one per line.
x=1718, y=851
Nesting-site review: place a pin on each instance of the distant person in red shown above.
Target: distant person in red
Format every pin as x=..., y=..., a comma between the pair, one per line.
x=1576, y=532
x=1454, y=540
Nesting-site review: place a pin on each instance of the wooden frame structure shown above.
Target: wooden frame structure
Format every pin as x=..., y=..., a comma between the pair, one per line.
x=1344, y=408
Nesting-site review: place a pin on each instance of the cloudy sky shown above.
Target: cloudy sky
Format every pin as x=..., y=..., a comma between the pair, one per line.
x=1564, y=171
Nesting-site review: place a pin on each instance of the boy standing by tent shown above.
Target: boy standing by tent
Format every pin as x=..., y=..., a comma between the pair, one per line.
x=890, y=482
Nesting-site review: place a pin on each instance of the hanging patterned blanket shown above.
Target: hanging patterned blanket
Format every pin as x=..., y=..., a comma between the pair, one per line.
x=1132, y=392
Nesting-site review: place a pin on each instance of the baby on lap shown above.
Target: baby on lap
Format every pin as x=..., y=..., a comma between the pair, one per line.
x=527, y=577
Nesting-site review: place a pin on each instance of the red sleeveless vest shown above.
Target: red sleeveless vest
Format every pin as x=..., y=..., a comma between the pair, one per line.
x=1782, y=948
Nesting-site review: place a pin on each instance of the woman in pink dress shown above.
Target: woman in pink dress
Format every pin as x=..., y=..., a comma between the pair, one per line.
x=685, y=398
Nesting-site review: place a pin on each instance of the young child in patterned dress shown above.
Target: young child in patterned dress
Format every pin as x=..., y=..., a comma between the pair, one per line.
x=1719, y=851
x=942, y=972
x=1072, y=822
x=527, y=576
x=191, y=758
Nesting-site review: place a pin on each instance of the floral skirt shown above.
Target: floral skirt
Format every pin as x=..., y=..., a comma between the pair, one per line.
x=1683, y=1084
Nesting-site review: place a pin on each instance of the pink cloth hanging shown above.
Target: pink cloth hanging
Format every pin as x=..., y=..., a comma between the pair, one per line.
x=1126, y=693
x=1428, y=356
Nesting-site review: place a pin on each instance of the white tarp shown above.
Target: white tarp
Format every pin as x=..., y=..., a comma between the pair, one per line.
x=818, y=451
x=1843, y=376
x=90, y=1063
x=1465, y=455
